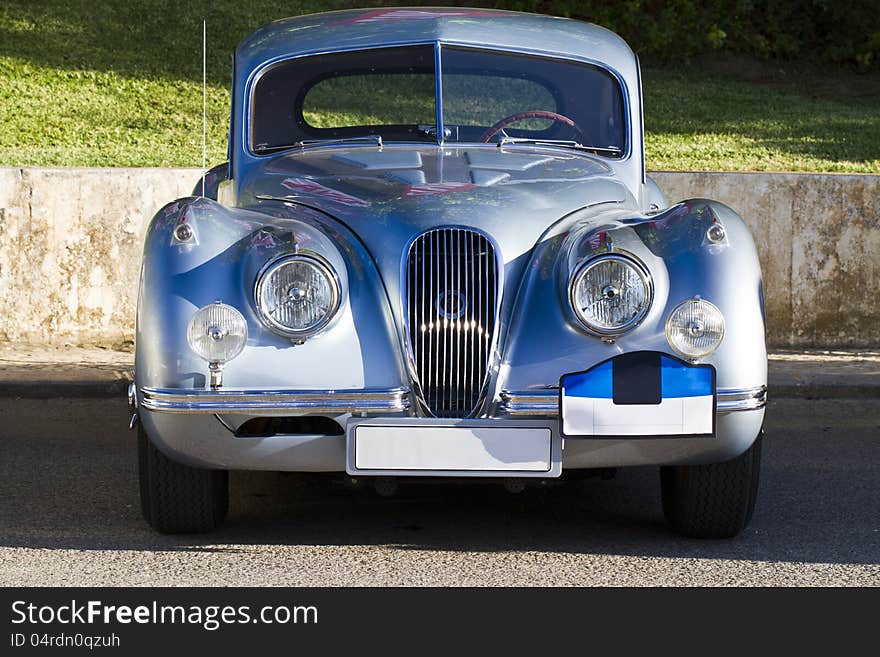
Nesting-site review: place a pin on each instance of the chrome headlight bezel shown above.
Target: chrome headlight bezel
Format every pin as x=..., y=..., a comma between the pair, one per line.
x=644, y=276
x=324, y=268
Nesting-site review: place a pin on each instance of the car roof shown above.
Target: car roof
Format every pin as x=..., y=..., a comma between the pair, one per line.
x=370, y=28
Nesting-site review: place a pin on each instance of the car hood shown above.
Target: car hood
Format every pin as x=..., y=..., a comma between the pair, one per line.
x=389, y=196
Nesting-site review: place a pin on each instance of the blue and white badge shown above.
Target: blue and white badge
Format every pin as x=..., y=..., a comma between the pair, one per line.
x=643, y=393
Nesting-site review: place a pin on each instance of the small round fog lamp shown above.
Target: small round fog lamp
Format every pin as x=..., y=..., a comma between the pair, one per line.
x=695, y=328
x=217, y=333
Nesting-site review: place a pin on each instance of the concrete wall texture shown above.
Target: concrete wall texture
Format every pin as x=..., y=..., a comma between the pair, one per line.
x=70, y=249
x=818, y=239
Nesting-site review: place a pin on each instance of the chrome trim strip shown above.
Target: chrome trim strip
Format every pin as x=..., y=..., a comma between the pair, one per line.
x=743, y=399
x=132, y=398
x=530, y=402
x=546, y=402
x=275, y=402
x=132, y=406
x=438, y=95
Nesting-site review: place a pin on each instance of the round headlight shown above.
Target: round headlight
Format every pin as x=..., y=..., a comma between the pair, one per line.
x=695, y=328
x=217, y=333
x=610, y=294
x=297, y=296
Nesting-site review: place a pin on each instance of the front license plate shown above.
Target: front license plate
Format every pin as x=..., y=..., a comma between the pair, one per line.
x=425, y=449
x=643, y=393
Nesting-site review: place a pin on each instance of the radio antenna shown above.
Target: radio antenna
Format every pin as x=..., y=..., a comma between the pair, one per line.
x=204, y=102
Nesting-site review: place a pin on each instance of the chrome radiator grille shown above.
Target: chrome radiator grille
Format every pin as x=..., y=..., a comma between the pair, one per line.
x=451, y=282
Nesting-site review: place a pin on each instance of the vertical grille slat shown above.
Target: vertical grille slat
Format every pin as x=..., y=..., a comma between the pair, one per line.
x=451, y=294
x=466, y=318
x=458, y=333
x=442, y=355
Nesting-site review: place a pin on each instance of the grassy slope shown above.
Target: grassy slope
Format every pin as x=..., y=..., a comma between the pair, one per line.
x=696, y=119
x=118, y=83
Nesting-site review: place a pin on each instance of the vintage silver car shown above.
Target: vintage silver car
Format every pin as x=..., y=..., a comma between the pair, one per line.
x=434, y=252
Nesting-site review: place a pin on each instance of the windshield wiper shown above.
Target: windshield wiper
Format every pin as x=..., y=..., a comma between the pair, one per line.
x=565, y=143
x=309, y=143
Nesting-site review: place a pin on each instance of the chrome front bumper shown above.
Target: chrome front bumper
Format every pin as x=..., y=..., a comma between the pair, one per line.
x=275, y=402
x=545, y=402
x=179, y=421
x=530, y=403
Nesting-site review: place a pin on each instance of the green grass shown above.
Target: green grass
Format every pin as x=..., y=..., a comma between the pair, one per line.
x=697, y=119
x=118, y=83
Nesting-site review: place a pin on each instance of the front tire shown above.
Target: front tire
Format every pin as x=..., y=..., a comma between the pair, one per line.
x=177, y=498
x=714, y=500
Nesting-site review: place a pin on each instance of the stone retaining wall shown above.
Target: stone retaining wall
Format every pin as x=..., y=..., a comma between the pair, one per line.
x=70, y=249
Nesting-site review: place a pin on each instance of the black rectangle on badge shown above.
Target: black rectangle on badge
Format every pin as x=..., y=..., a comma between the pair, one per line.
x=636, y=378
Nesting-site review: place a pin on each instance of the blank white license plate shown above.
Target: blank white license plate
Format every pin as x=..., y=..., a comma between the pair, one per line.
x=640, y=394
x=458, y=448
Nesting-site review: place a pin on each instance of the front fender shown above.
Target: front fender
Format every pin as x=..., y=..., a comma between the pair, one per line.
x=546, y=342
x=360, y=348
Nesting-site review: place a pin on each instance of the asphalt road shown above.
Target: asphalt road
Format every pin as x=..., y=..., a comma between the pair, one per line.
x=69, y=515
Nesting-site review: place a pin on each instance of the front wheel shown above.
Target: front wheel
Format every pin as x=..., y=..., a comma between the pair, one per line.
x=177, y=498
x=714, y=500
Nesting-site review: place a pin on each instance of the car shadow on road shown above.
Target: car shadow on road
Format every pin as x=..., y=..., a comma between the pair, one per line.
x=592, y=516
x=820, y=508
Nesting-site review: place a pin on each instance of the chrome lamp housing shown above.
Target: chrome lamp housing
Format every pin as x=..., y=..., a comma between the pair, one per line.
x=217, y=333
x=610, y=294
x=297, y=295
x=695, y=328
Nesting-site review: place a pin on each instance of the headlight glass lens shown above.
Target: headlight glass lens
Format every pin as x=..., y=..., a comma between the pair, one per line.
x=217, y=333
x=611, y=294
x=297, y=296
x=695, y=328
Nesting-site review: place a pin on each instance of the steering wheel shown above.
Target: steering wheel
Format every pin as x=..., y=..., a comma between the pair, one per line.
x=530, y=114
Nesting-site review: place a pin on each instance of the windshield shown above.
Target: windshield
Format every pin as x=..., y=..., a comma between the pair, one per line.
x=391, y=93
x=490, y=95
